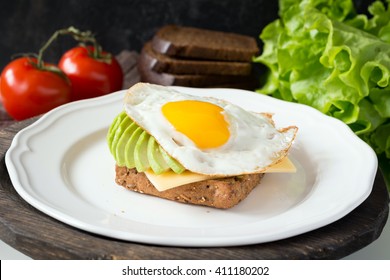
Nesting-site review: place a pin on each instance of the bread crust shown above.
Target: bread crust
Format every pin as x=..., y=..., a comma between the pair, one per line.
x=219, y=193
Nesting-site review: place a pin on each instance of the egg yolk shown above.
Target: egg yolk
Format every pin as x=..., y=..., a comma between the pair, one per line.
x=200, y=121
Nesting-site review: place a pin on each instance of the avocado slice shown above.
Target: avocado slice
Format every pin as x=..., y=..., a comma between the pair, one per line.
x=140, y=152
x=172, y=163
x=117, y=121
x=112, y=130
x=118, y=133
x=130, y=147
x=156, y=160
x=122, y=142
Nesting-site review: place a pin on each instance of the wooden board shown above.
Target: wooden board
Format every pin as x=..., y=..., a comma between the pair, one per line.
x=42, y=237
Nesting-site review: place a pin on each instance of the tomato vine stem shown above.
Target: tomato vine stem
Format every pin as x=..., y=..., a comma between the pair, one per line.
x=83, y=37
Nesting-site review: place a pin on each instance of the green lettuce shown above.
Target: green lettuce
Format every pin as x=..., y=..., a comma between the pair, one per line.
x=323, y=54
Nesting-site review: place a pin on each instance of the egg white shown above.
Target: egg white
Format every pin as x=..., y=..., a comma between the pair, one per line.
x=253, y=146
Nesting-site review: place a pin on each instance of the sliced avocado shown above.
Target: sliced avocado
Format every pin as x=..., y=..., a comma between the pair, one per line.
x=114, y=125
x=121, y=145
x=172, y=163
x=117, y=121
x=156, y=160
x=130, y=147
x=140, y=152
x=118, y=133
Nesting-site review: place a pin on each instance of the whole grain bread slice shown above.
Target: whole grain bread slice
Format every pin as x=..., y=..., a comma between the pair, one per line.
x=162, y=63
x=219, y=193
x=193, y=80
x=199, y=43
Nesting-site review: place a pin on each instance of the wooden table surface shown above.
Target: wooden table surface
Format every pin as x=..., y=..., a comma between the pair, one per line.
x=42, y=237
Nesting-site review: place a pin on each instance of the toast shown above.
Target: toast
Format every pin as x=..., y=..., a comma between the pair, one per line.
x=218, y=193
x=198, y=43
x=162, y=63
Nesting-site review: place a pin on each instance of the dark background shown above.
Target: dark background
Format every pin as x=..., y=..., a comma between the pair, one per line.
x=123, y=24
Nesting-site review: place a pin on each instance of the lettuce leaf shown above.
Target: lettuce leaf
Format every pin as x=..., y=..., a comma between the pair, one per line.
x=323, y=54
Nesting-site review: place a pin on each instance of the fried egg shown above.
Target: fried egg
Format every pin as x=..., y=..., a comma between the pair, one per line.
x=208, y=135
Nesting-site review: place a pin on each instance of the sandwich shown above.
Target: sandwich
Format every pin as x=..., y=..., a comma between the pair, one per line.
x=192, y=149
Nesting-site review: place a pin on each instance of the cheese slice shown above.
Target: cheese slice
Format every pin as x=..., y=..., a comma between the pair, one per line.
x=284, y=166
x=170, y=179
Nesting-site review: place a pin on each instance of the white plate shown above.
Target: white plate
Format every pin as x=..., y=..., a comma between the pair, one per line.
x=62, y=166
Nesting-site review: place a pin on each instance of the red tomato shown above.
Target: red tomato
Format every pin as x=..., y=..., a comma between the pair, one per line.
x=27, y=91
x=91, y=77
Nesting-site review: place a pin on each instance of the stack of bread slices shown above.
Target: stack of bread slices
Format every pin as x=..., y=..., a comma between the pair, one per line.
x=193, y=57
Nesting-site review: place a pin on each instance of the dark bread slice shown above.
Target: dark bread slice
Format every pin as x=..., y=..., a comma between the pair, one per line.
x=193, y=80
x=219, y=193
x=192, y=42
x=163, y=63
